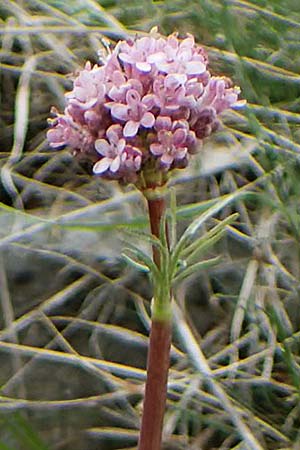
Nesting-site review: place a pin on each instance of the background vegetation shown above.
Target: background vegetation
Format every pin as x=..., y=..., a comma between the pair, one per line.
x=74, y=318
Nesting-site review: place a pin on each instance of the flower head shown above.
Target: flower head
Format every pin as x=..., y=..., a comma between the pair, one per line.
x=148, y=105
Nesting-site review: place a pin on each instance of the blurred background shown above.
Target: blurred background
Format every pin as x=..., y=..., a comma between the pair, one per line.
x=74, y=317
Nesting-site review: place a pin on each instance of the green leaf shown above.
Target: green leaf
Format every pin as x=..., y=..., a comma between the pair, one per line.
x=209, y=238
x=140, y=258
x=172, y=219
x=135, y=264
x=150, y=238
x=197, y=223
x=196, y=268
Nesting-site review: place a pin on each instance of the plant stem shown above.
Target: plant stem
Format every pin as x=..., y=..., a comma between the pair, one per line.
x=158, y=353
x=156, y=209
x=156, y=386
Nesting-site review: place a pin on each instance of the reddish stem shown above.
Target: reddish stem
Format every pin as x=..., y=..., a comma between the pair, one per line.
x=156, y=386
x=156, y=208
x=158, y=356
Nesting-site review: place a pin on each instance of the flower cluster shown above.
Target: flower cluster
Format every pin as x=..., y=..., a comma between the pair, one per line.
x=148, y=105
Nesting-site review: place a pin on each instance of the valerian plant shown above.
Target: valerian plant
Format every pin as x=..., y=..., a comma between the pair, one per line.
x=139, y=115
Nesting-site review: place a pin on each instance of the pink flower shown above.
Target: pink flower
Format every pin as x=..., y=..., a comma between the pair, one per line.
x=141, y=53
x=120, y=86
x=150, y=103
x=116, y=155
x=218, y=94
x=132, y=160
x=111, y=150
x=65, y=131
x=183, y=57
x=134, y=113
x=89, y=87
x=206, y=120
x=173, y=141
x=170, y=94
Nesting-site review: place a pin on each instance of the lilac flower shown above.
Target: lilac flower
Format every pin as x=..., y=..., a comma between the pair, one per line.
x=131, y=160
x=219, y=94
x=183, y=57
x=141, y=53
x=134, y=113
x=170, y=146
x=173, y=141
x=66, y=132
x=89, y=87
x=111, y=150
x=120, y=86
x=206, y=121
x=170, y=94
x=116, y=155
x=150, y=104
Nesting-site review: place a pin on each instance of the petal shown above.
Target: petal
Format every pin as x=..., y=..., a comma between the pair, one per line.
x=181, y=153
x=220, y=87
x=156, y=149
x=102, y=146
x=79, y=92
x=174, y=80
x=55, y=137
x=188, y=42
x=171, y=108
x=148, y=120
x=116, y=94
x=165, y=138
x=131, y=128
x=124, y=57
x=195, y=67
x=164, y=67
x=184, y=55
x=149, y=101
x=163, y=123
x=92, y=119
x=115, y=165
x=118, y=78
x=191, y=140
x=132, y=97
x=173, y=41
x=144, y=43
x=102, y=165
x=143, y=66
x=189, y=101
x=121, y=145
x=167, y=159
x=156, y=57
x=119, y=111
x=136, y=85
x=179, y=136
x=137, y=162
x=83, y=105
x=114, y=133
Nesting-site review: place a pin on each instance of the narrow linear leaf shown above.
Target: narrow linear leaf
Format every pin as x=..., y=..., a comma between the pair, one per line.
x=215, y=231
x=135, y=264
x=141, y=258
x=203, y=247
x=150, y=238
x=197, y=223
x=196, y=268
